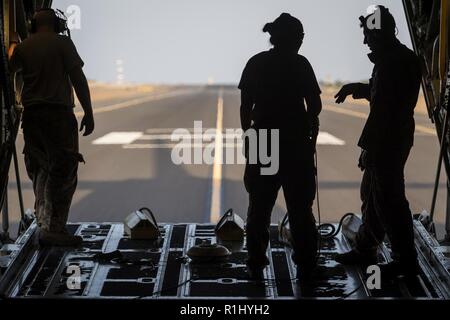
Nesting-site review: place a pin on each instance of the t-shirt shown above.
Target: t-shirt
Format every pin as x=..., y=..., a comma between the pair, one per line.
x=279, y=83
x=45, y=60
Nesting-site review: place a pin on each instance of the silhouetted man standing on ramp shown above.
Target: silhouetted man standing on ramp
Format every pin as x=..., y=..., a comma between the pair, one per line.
x=386, y=141
x=274, y=88
x=50, y=65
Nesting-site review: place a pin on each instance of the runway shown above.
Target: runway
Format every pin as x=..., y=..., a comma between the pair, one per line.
x=129, y=161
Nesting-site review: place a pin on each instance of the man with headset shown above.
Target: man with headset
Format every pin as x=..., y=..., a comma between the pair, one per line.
x=386, y=141
x=50, y=65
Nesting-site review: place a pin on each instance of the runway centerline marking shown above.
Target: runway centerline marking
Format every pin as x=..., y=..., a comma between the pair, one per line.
x=216, y=193
x=362, y=115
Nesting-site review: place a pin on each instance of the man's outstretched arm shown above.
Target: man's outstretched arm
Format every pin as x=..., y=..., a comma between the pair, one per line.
x=357, y=90
x=81, y=87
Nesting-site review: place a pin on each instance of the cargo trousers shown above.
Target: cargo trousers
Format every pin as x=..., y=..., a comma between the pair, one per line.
x=296, y=176
x=385, y=208
x=51, y=158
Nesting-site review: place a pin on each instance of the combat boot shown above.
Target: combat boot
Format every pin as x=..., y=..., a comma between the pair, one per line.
x=255, y=274
x=396, y=269
x=355, y=257
x=58, y=239
x=255, y=270
x=308, y=272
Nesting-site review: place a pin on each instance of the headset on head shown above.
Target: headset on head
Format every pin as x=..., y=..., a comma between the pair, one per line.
x=60, y=21
x=387, y=20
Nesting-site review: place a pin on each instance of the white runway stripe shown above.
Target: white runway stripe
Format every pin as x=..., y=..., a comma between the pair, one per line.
x=170, y=130
x=178, y=137
x=327, y=139
x=177, y=145
x=118, y=138
x=129, y=139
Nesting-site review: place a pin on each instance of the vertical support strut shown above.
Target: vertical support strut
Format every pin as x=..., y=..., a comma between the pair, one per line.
x=443, y=66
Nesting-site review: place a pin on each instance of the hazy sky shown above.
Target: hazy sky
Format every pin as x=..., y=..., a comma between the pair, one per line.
x=189, y=41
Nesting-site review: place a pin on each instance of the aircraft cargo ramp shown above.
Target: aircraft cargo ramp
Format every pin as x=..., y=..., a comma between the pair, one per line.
x=141, y=269
x=111, y=266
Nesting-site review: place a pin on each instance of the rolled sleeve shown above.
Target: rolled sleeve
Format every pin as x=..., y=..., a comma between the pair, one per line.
x=71, y=58
x=310, y=85
x=249, y=78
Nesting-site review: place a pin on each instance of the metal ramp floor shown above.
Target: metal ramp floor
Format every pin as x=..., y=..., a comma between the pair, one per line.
x=160, y=270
